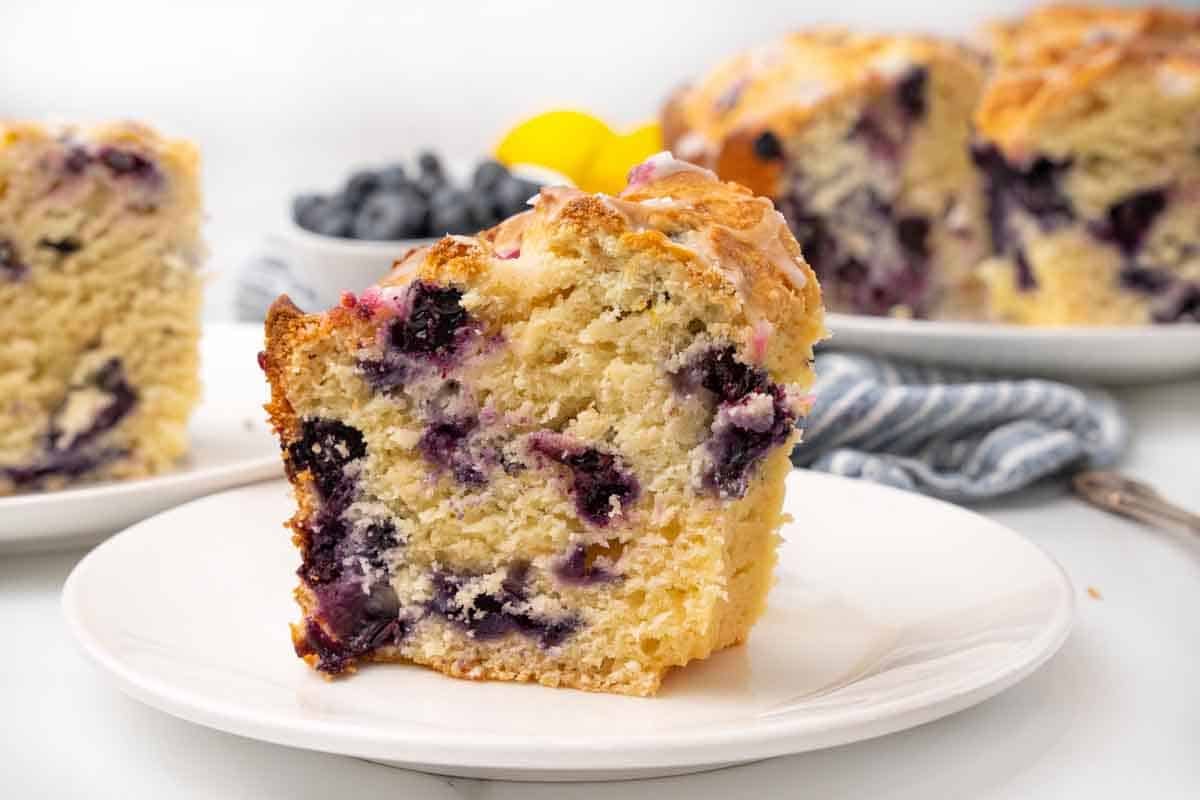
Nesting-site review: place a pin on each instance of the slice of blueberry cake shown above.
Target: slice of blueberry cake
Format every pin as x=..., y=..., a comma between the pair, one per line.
x=555, y=452
x=101, y=291
x=862, y=142
x=1091, y=167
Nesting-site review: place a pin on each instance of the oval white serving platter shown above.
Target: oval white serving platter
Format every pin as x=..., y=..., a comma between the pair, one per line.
x=231, y=445
x=1112, y=355
x=891, y=610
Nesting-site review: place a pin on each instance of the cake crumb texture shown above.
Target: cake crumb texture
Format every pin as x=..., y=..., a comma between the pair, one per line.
x=101, y=290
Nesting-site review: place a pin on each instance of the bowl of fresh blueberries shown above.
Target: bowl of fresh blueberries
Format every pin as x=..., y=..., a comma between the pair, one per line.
x=349, y=239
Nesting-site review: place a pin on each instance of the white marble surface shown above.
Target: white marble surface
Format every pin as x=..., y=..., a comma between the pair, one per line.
x=1116, y=714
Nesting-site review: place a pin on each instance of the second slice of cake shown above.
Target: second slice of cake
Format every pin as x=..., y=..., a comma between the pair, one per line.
x=555, y=452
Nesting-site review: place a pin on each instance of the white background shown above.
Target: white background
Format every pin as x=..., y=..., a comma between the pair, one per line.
x=284, y=95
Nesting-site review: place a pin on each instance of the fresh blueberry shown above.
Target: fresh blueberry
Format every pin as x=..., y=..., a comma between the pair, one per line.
x=450, y=212
x=430, y=164
x=332, y=219
x=391, y=215
x=360, y=186
x=483, y=210
x=393, y=178
x=304, y=207
x=512, y=195
x=487, y=174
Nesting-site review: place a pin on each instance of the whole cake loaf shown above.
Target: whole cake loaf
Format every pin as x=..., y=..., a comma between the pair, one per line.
x=862, y=141
x=1091, y=169
x=555, y=452
x=100, y=290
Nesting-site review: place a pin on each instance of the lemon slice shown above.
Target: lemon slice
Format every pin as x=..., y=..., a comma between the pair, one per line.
x=611, y=164
x=564, y=141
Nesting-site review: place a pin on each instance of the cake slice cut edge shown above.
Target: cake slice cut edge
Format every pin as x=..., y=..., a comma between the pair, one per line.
x=555, y=452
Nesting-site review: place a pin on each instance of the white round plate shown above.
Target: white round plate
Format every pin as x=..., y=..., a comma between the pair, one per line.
x=230, y=445
x=1102, y=355
x=891, y=610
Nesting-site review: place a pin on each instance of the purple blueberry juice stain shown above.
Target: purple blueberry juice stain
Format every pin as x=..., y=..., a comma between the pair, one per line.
x=597, y=477
x=719, y=370
x=76, y=456
x=356, y=613
x=577, y=568
x=123, y=163
x=491, y=615
x=1144, y=279
x=1179, y=304
x=738, y=444
x=445, y=445
x=1127, y=222
x=1036, y=189
x=431, y=330
x=12, y=268
x=324, y=448
x=752, y=416
x=1026, y=280
x=892, y=271
x=64, y=247
x=911, y=93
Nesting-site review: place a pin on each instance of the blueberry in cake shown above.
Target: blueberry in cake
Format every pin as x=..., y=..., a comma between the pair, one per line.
x=101, y=290
x=555, y=452
x=1091, y=169
x=862, y=142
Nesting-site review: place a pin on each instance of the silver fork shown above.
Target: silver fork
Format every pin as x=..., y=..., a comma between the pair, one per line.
x=1119, y=494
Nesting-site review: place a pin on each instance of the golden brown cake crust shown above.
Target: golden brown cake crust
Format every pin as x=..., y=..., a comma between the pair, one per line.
x=783, y=87
x=1056, y=33
x=1020, y=103
x=737, y=248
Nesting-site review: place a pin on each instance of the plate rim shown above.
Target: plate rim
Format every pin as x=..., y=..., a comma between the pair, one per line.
x=447, y=749
x=1002, y=330
x=181, y=478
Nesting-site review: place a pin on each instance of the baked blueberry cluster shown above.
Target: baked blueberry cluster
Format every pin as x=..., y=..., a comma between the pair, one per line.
x=399, y=202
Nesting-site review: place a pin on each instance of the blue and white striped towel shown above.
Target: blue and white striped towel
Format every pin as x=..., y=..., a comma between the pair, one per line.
x=954, y=434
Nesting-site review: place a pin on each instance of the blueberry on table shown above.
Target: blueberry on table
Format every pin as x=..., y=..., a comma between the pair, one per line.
x=359, y=187
x=487, y=174
x=391, y=215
